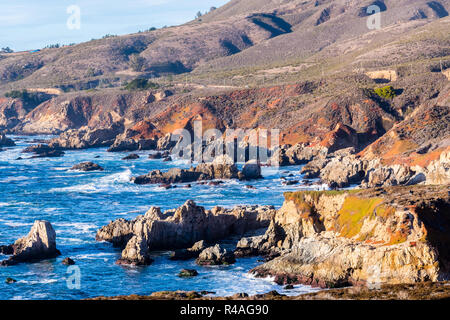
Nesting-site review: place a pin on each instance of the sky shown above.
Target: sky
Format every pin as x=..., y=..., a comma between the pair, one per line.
x=31, y=24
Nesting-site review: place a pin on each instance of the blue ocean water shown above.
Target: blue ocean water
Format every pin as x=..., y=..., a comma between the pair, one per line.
x=78, y=204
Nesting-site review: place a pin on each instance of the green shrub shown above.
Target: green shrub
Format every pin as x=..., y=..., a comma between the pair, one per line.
x=141, y=84
x=386, y=92
x=25, y=96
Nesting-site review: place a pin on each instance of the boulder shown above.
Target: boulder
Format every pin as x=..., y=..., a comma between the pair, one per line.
x=216, y=256
x=68, y=262
x=87, y=166
x=191, y=253
x=251, y=171
x=38, y=245
x=188, y=273
x=132, y=156
x=44, y=151
x=5, y=141
x=136, y=252
x=10, y=280
x=155, y=156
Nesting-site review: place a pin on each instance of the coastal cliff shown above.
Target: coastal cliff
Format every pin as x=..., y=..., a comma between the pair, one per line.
x=360, y=237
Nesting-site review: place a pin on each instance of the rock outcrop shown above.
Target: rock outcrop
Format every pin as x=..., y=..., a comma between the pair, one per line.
x=204, y=171
x=251, y=171
x=142, y=136
x=85, y=137
x=136, y=252
x=181, y=228
x=214, y=256
x=362, y=237
x=5, y=141
x=87, y=166
x=191, y=253
x=298, y=154
x=44, y=151
x=38, y=245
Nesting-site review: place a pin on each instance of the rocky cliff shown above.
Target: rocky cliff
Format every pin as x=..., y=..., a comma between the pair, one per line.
x=180, y=229
x=340, y=238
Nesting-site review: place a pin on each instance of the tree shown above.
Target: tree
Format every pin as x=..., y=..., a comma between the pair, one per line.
x=137, y=63
x=7, y=50
x=199, y=15
x=212, y=9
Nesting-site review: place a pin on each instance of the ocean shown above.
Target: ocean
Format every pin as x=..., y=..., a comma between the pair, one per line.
x=79, y=203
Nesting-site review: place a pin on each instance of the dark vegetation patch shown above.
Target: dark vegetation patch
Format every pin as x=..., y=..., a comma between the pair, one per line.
x=141, y=84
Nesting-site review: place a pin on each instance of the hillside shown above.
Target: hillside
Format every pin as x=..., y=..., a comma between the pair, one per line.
x=305, y=67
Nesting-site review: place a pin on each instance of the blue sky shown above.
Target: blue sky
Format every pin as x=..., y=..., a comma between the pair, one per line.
x=26, y=24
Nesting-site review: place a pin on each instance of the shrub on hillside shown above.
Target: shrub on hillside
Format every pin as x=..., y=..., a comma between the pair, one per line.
x=137, y=63
x=25, y=96
x=141, y=84
x=387, y=92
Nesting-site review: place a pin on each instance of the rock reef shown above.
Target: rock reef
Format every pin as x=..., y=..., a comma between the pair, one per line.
x=181, y=228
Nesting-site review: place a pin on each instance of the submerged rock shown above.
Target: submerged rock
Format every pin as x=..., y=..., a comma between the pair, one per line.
x=191, y=253
x=216, y=256
x=182, y=228
x=188, y=273
x=44, y=151
x=87, y=166
x=39, y=244
x=68, y=262
x=132, y=156
x=10, y=280
x=5, y=141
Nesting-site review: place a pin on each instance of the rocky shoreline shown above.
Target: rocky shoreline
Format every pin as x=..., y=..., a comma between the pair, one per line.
x=417, y=291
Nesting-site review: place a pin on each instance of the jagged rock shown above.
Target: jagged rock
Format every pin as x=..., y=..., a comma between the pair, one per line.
x=7, y=250
x=124, y=145
x=203, y=171
x=87, y=166
x=191, y=253
x=68, y=262
x=296, y=155
x=362, y=237
x=39, y=244
x=88, y=138
x=44, y=151
x=185, y=226
x=251, y=171
x=188, y=273
x=340, y=172
x=136, y=252
x=312, y=169
x=132, y=156
x=166, y=143
x=5, y=141
x=389, y=176
x=155, y=156
x=215, y=256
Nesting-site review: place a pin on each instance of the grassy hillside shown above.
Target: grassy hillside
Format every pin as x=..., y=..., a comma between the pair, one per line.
x=245, y=42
